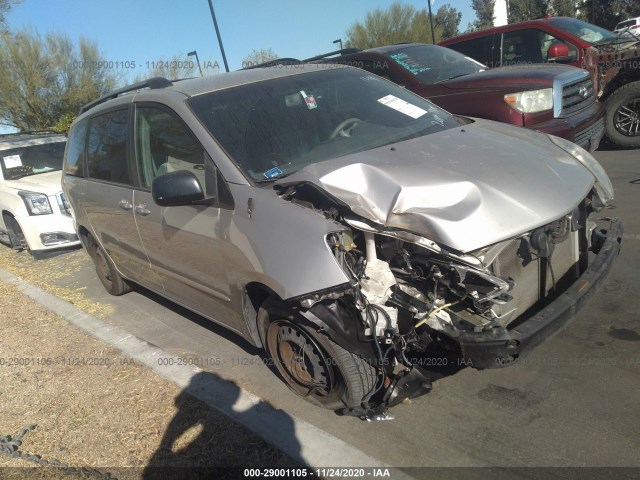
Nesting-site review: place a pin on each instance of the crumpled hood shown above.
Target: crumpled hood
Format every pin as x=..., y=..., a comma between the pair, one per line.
x=466, y=188
x=48, y=183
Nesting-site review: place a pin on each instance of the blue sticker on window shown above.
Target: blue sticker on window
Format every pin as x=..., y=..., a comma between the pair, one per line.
x=274, y=172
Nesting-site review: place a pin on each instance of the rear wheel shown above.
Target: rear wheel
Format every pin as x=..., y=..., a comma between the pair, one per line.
x=622, y=121
x=107, y=273
x=312, y=365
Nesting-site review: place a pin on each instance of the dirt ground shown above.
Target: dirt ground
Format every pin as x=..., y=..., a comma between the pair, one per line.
x=95, y=407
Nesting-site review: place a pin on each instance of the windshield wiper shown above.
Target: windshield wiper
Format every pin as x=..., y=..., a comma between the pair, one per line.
x=454, y=76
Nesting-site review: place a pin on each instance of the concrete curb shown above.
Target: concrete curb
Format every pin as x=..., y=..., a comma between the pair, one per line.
x=306, y=443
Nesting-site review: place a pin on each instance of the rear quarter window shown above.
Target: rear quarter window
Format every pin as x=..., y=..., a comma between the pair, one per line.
x=74, y=153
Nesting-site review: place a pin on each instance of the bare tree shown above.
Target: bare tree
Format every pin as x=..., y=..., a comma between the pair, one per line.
x=257, y=57
x=43, y=80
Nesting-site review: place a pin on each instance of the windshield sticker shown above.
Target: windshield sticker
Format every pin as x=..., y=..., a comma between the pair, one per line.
x=401, y=106
x=274, y=172
x=309, y=100
x=407, y=63
x=12, y=161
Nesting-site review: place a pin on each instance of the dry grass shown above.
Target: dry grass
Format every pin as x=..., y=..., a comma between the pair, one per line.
x=44, y=273
x=115, y=414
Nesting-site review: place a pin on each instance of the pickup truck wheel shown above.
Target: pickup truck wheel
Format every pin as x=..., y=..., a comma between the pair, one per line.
x=312, y=365
x=622, y=121
x=16, y=236
x=107, y=273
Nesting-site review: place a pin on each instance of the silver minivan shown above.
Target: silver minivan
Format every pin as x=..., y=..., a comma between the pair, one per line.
x=342, y=223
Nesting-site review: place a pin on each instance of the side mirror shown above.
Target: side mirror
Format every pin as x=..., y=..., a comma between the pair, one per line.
x=175, y=189
x=559, y=53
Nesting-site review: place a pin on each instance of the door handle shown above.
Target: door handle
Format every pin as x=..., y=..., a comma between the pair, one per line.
x=142, y=210
x=125, y=205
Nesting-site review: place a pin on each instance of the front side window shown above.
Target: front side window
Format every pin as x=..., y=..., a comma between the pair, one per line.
x=273, y=128
x=35, y=157
x=107, y=147
x=164, y=144
x=529, y=46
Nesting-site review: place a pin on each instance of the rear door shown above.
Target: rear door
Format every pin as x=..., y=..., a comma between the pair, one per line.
x=109, y=207
x=186, y=245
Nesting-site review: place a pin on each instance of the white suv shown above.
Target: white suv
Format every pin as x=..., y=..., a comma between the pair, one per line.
x=35, y=214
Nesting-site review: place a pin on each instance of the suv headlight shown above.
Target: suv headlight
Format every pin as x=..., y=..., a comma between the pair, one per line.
x=531, y=101
x=603, y=183
x=36, y=203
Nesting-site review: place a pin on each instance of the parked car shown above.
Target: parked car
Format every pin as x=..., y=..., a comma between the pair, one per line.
x=35, y=213
x=614, y=62
x=341, y=222
x=628, y=27
x=554, y=99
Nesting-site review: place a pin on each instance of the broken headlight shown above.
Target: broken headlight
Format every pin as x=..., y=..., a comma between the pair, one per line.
x=603, y=185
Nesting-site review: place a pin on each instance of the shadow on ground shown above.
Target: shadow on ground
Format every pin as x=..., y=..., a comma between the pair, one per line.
x=200, y=442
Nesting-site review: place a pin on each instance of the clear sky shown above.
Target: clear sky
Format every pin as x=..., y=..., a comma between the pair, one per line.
x=144, y=31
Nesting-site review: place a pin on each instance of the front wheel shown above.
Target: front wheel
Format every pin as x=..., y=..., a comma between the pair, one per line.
x=16, y=236
x=311, y=364
x=622, y=121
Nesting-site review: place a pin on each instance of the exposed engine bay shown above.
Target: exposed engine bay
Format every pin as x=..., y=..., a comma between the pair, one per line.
x=410, y=295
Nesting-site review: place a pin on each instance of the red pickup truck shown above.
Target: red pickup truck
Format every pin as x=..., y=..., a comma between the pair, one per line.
x=614, y=62
x=554, y=99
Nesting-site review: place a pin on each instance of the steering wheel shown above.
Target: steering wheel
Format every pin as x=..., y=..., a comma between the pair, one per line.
x=342, y=130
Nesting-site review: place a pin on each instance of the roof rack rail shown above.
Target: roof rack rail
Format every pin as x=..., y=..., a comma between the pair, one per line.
x=152, y=83
x=276, y=62
x=343, y=51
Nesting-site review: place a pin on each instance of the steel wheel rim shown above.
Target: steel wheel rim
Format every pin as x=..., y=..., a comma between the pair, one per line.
x=299, y=359
x=627, y=118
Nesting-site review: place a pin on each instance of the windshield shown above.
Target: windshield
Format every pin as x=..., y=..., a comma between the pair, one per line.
x=434, y=64
x=625, y=24
x=31, y=160
x=275, y=127
x=587, y=32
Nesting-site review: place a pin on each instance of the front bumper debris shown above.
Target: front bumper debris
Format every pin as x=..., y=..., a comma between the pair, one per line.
x=501, y=347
